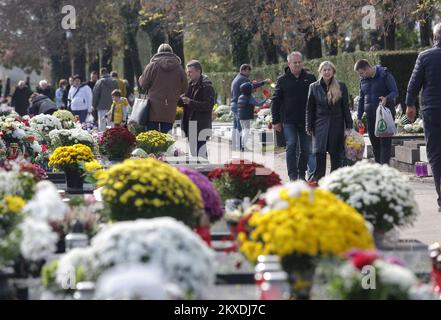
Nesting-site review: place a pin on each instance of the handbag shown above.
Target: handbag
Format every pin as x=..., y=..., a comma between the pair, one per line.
x=140, y=111
x=384, y=123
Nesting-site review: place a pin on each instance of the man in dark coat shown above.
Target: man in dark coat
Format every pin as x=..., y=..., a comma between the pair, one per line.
x=377, y=85
x=288, y=111
x=198, y=109
x=20, y=98
x=40, y=104
x=427, y=75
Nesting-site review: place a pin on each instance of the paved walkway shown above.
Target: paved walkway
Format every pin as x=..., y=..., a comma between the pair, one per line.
x=427, y=228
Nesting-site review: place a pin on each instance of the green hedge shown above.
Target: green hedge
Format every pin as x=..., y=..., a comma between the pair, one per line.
x=400, y=63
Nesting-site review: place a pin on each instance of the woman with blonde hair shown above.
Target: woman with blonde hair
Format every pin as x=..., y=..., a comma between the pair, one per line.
x=327, y=116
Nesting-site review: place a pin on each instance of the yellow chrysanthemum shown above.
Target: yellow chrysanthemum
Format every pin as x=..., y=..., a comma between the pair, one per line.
x=14, y=204
x=64, y=157
x=148, y=188
x=313, y=223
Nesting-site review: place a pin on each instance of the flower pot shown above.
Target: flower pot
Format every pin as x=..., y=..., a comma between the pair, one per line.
x=74, y=180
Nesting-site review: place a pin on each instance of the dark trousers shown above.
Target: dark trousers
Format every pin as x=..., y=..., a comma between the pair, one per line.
x=320, y=169
x=297, y=165
x=382, y=147
x=432, y=129
x=198, y=149
x=163, y=127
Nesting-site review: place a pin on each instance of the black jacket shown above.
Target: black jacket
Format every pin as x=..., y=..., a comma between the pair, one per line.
x=42, y=105
x=200, y=108
x=20, y=100
x=290, y=97
x=426, y=75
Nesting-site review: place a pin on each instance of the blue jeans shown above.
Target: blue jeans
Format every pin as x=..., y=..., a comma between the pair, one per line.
x=163, y=127
x=81, y=113
x=297, y=165
x=237, y=130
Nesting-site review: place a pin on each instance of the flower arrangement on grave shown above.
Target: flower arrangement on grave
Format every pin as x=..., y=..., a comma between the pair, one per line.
x=66, y=117
x=42, y=124
x=366, y=275
x=381, y=193
x=69, y=158
x=19, y=139
x=116, y=143
x=241, y=179
x=302, y=226
x=148, y=188
x=212, y=201
x=154, y=142
x=163, y=242
x=69, y=137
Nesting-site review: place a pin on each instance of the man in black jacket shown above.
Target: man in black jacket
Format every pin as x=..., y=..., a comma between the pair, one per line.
x=427, y=75
x=20, y=98
x=198, y=109
x=289, y=112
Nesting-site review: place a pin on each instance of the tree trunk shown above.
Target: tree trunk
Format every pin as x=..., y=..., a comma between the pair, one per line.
x=94, y=62
x=60, y=63
x=157, y=35
x=313, y=47
x=240, y=40
x=176, y=40
x=79, y=63
x=333, y=35
x=129, y=73
x=269, y=48
x=106, y=57
x=389, y=35
x=426, y=32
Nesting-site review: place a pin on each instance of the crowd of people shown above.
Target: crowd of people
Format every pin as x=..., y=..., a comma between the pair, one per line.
x=312, y=113
x=89, y=101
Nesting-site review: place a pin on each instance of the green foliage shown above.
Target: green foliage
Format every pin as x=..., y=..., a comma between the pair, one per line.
x=48, y=274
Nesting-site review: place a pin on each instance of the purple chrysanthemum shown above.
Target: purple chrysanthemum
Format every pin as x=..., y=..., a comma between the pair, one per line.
x=212, y=201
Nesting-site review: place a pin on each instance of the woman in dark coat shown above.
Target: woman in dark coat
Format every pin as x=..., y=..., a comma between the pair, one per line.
x=327, y=116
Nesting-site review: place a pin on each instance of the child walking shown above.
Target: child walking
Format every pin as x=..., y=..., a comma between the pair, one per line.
x=246, y=104
x=118, y=111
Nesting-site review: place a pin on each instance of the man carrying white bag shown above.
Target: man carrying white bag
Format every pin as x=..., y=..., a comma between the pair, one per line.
x=384, y=123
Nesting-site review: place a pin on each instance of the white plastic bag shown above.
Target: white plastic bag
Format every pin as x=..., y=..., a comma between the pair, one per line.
x=384, y=123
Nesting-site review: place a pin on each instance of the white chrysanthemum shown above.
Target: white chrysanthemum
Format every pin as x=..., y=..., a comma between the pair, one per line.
x=184, y=257
x=393, y=274
x=46, y=205
x=134, y=282
x=69, y=262
x=380, y=192
x=38, y=241
x=10, y=184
